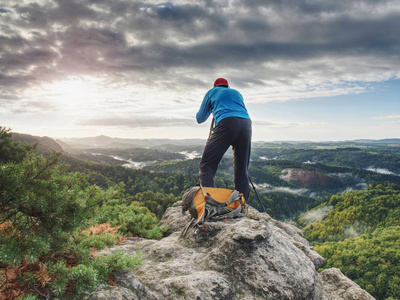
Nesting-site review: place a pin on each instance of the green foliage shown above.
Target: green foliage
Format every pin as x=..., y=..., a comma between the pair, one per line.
x=157, y=191
x=44, y=204
x=279, y=204
x=371, y=260
x=83, y=277
x=357, y=212
x=41, y=206
x=97, y=241
x=283, y=205
x=188, y=167
x=86, y=278
x=135, y=181
x=350, y=157
x=11, y=151
x=155, y=202
x=44, y=211
x=29, y=297
x=173, y=177
x=133, y=219
x=87, y=275
x=106, y=265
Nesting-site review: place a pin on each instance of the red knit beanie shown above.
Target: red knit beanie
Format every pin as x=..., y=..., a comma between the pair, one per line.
x=221, y=81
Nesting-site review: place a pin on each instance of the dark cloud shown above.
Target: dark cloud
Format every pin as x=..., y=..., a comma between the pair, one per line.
x=30, y=16
x=73, y=11
x=69, y=12
x=11, y=42
x=177, y=13
x=31, y=57
x=138, y=42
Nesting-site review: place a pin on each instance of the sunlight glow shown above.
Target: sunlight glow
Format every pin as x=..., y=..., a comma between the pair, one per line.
x=73, y=93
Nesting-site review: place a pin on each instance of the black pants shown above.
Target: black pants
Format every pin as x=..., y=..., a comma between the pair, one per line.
x=235, y=132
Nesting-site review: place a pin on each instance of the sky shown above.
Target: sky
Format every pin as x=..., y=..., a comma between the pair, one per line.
x=310, y=70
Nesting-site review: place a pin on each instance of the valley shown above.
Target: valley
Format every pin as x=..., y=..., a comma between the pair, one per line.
x=288, y=176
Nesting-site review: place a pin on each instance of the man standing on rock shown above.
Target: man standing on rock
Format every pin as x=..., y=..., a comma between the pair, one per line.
x=233, y=128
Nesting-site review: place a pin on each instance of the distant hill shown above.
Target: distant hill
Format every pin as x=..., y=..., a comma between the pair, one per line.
x=46, y=144
x=388, y=141
x=103, y=141
x=63, y=145
x=378, y=142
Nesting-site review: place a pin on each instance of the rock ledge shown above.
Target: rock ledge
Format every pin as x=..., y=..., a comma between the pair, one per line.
x=255, y=257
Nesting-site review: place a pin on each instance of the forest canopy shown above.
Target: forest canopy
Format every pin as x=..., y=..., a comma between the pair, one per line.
x=359, y=233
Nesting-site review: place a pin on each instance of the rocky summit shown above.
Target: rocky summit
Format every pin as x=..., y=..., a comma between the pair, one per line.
x=253, y=257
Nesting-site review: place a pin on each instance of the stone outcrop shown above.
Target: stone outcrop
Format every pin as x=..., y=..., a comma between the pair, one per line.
x=254, y=257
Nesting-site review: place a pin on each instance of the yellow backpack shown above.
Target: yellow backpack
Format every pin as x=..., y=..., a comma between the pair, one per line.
x=205, y=203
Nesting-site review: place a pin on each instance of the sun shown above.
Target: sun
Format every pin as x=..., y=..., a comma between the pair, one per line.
x=73, y=93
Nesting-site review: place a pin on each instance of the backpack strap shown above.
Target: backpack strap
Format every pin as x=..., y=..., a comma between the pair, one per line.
x=237, y=212
x=235, y=196
x=185, y=230
x=206, y=195
x=214, y=213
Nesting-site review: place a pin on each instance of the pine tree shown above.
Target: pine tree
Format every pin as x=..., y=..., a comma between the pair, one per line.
x=10, y=150
x=43, y=211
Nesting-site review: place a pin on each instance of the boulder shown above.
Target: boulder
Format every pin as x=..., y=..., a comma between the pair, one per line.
x=253, y=257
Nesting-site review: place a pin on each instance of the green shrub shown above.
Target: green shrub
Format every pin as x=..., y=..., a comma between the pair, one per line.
x=106, y=265
x=98, y=241
x=132, y=219
x=29, y=297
